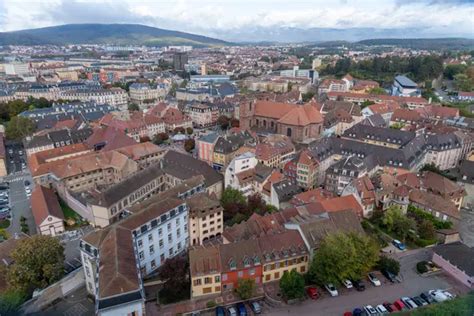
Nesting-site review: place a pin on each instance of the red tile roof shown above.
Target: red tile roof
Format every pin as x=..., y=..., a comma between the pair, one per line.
x=44, y=203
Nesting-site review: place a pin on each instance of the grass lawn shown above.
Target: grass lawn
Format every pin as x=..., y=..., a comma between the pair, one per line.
x=4, y=223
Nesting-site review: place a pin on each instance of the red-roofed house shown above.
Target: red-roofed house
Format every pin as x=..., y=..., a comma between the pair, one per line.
x=301, y=123
x=47, y=212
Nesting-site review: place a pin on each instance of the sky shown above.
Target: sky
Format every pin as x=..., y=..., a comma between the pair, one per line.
x=211, y=17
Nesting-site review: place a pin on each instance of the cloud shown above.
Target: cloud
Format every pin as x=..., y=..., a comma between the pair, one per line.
x=214, y=16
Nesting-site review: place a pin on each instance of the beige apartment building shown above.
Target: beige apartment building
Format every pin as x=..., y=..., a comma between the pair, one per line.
x=206, y=218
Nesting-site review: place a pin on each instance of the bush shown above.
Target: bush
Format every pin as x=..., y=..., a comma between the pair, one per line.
x=245, y=288
x=389, y=264
x=292, y=285
x=419, y=215
x=420, y=242
x=4, y=223
x=421, y=267
x=211, y=304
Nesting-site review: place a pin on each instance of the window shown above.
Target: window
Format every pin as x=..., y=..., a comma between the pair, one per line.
x=224, y=277
x=150, y=237
x=240, y=274
x=161, y=243
x=168, y=226
x=160, y=232
x=162, y=257
x=252, y=271
x=179, y=246
x=288, y=132
x=153, y=264
x=140, y=243
x=170, y=238
x=152, y=249
x=197, y=282
x=171, y=251
x=177, y=221
x=178, y=232
x=207, y=280
x=217, y=278
x=141, y=255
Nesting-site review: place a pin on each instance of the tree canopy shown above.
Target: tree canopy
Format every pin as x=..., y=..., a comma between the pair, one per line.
x=38, y=262
x=175, y=273
x=292, y=285
x=343, y=256
x=398, y=223
x=245, y=288
x=19, y=127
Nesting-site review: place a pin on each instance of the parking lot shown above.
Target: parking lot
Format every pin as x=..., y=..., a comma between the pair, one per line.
x=412, y=285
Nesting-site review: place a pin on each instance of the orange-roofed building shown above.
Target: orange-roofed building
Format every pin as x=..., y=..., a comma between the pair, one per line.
x=301, y=123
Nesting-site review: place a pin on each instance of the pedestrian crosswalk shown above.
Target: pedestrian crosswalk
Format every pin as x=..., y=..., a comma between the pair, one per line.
x=16, y=179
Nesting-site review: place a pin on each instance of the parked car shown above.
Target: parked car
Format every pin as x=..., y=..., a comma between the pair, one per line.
x=409, y=302
x=242, y=309
x=389, y=275
x=438, y=296
x=449, y=295
x=427, y=297
x=359, y=285
x=27, y=183
x=374, y=280
x=399, y=244
x=220, y=311
x=347, y=284
x=381, y=309
x=390, y=307
x=399, y=305
x=312, y=292
x=256, y=308
x=347, y=314
x=419, y=301
x=370, y=310
x=331, y=289
x=357, y=312
x=232, y=311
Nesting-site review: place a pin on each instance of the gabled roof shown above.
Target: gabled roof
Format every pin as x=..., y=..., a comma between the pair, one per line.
x=44, y=203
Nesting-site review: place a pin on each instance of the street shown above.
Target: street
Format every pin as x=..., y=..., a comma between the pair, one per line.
x=412, y=285
x=18, y=173
x=466, y=227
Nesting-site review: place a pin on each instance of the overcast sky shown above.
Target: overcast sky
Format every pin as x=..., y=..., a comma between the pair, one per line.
x=207, y=16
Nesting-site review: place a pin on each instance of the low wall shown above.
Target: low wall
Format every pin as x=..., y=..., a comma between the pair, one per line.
x=63, y=287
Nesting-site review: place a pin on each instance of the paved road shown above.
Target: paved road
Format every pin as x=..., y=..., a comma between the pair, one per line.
x=412, y=285
x=466, y=227
x=19, y=201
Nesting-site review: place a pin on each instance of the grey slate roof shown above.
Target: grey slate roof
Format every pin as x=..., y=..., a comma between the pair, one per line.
x=380, y=134
x=286, y=189
x=459, y=255
x=405, y=82
x=184, y=166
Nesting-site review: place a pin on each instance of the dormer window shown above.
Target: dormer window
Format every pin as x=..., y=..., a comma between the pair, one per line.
x=256, y=260
x=232, y=264
x=247, y=262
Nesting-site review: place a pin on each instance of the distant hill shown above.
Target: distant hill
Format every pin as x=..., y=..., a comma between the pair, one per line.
x=113, y=34
x=423, y=43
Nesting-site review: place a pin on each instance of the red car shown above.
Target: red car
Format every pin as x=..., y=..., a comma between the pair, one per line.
x=312, y=292
x=399, y=305
x=347, y=314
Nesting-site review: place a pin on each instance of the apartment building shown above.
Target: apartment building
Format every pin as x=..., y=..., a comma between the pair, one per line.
x=137, y=125
x=205, y=147
x=239, y=174
x=226, y=148
x=343, y=172
x=115, y=97
x=145, y=95
x=444, y=150
x=275, y=151
x=202, y=114
x=206, y=218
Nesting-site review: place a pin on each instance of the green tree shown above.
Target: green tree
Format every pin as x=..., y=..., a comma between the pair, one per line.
x=389, y=264
x=245, y=288
x=16, y=107
x=160, y=138
x=38, y=262
x=189, y=145
x=292, y=285
x=19, y=127
x=233, y=202
x=452, y=70
x=426, y=230
x=378, y=90
x=223, y=121
x=10, y=301
x=463, y=82
x=308, y=96
x=172, y=91
x=395, y=221
x=183, y=83
x=189, y=130
x=343, y=256
x=133, y=107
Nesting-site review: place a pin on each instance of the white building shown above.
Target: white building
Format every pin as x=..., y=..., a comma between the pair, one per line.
x=405, y=87
x=144, y=95
x=239, y=173
x=17, y=69
x=47, y=212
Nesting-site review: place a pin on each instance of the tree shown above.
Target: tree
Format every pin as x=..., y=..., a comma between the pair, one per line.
x=172, y=91
x=189, y=130
x=175, y=274
x=15, y=107
x=426, y=230
x=189, y=145
x=183, y=83
x=245, y=288
x=292, y=285
x=160, y=138
x=133, y=107
x=233, y=202
x=19, y=127
x=395, y=221
x=343, y=256
x=308, y=96
x=378, y=91
x=179, y=130
x=38, y=262
x=10, y=301
x=223, y=121
x=389, y=264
